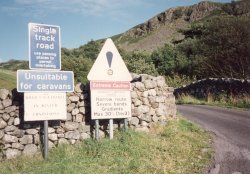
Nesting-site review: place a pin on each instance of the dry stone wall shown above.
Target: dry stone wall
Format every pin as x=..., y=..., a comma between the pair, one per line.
x=152, y=102
x=215, y=86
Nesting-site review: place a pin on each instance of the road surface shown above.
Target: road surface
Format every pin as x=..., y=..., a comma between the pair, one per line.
x=231, y=129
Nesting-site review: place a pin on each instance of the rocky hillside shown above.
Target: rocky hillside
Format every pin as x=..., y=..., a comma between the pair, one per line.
x=164, y=27
x=14, y=65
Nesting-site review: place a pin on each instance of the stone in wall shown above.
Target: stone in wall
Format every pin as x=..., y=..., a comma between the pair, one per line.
x=215, y=86
x=152, y=102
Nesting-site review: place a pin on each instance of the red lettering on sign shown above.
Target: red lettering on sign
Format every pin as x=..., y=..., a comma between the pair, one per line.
x=101, y=85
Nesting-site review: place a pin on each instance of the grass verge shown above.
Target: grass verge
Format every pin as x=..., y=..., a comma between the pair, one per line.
x=218, y=100
x=180, y=147
x=7, y=79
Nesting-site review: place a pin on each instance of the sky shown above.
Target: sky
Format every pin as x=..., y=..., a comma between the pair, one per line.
x=80, y=21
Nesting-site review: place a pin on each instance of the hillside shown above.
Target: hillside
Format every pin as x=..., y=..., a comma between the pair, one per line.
x=14, y=65
x=178, y=43
x=8, y=73
x=7, y=79
x=166, y=26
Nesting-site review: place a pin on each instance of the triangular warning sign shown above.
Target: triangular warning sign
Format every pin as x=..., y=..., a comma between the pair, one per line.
x=109, y=65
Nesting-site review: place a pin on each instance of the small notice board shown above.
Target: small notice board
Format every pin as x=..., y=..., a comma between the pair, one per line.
x=110, y=100
x=44, y=106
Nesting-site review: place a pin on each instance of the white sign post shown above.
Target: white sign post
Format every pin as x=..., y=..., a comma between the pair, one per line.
x=110, y=86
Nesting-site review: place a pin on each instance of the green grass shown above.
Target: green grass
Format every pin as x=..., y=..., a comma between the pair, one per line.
x=180, y=147
x=217, y=100
x=116, y=37
x=131, y=40
x=188, y=99
x=178, y=80
x=7, y=79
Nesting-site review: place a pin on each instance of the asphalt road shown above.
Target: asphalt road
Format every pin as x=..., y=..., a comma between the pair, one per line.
x=231, y=136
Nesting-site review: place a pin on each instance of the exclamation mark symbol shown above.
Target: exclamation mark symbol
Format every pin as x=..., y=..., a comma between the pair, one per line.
x=109, y=56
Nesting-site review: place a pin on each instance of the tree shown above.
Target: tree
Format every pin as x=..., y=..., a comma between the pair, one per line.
x=225, y=47
x=191, y=51
x=90, y=50
x=168, y=61
x=23, y=65
x=80, y=60
x=139, y=63
x=79, y=65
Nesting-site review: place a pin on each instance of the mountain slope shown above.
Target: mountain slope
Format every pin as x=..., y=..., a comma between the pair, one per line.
x=164, y=27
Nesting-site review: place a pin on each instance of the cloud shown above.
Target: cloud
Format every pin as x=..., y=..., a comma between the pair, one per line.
x=86, y=7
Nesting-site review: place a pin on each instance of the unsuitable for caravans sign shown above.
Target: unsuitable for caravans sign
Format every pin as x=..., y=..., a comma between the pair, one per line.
x=45, y=81
x=44, y=47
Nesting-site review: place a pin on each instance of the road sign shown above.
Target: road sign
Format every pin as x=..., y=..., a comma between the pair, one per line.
x=109, y=65
x=110, y=85
x=44, y=47
x=45, y=81
x=44, y=106
x=110, y=100
x=44, y=54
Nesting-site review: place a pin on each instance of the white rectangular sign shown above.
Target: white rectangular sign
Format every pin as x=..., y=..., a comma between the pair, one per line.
x=45, y=106
x=107, y=104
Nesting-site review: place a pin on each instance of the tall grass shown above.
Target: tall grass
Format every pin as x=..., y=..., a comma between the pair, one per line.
x=218, y=100
x=179, y=80
x=180, y=147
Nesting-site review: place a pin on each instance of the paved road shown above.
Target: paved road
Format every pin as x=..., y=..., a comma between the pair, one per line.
x=231, y=130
